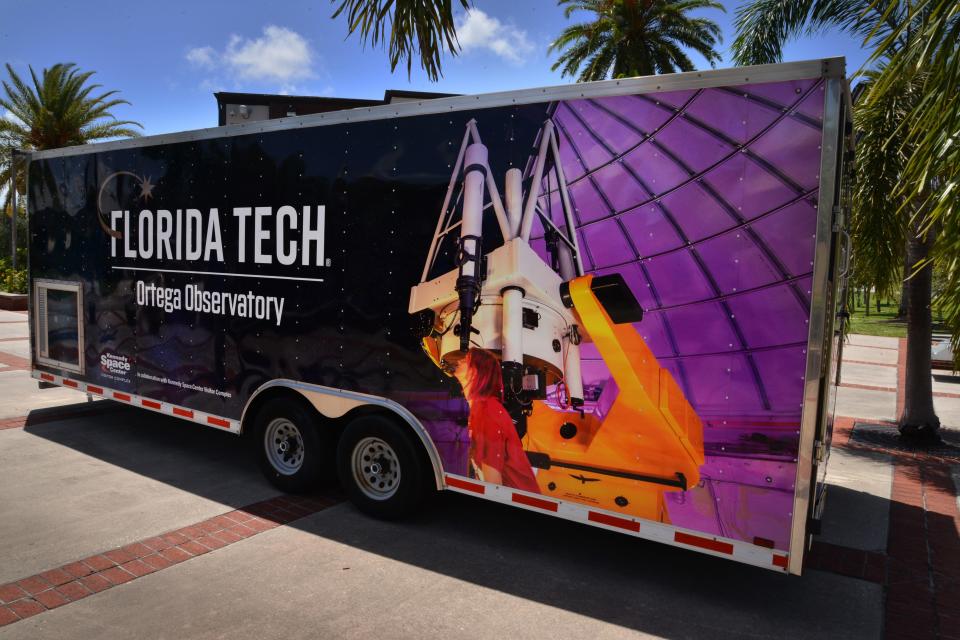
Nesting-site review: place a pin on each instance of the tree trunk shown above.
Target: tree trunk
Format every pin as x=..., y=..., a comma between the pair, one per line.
x=905, y=289
x=866, y=302
x=919, y=422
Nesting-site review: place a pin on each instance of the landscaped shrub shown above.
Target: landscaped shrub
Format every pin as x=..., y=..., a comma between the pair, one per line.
x=12, y=280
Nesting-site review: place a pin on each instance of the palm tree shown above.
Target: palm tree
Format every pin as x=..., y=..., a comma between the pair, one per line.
x=635, y=38
x=886, y=235
x=932, y=173
x=423, y=28
x=879, y=231
x=891, y=204
x=57, y=110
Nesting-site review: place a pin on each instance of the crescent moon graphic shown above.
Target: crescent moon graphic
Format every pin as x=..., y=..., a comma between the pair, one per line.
x=146, y=190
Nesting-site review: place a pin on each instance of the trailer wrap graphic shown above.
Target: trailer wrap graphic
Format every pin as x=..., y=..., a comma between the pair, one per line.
x=605, y=301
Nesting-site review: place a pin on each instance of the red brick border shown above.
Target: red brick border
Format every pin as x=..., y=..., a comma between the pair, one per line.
x=901, y=377
x=868, y=387
x=921, y=569
x=77, y=580
x=14, y=363
x=872, y=364
x=923, y=585
x=871, y=346
x=898, y=390
x=845, y=561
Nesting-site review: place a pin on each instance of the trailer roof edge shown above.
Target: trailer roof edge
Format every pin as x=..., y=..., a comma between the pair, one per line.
x=826, y=68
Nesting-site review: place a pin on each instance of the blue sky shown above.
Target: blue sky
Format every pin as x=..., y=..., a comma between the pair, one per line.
x=168, y=58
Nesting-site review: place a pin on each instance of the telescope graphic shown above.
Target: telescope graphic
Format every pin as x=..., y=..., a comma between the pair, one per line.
x=619, y=448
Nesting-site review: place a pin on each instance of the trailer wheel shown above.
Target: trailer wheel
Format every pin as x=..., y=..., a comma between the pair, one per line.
x=380, y=468
x=290, y=448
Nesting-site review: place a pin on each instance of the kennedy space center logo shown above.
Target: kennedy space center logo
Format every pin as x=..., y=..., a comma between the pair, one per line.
x=115, y=366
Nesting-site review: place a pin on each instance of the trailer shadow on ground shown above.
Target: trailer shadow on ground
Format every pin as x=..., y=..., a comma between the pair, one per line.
x=603, y=575
x=211, y=464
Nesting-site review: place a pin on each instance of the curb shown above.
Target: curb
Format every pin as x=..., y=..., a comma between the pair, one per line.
x=64, y=412
x=13, y=301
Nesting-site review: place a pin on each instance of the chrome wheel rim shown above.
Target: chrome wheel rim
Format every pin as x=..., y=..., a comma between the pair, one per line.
x=376, y=468
x=284, y=446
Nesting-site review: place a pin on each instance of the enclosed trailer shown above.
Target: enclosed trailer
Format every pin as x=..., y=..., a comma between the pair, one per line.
x=610, y=302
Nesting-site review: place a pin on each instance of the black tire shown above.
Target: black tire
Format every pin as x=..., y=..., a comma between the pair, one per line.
x=382, y=500
x=282, y=419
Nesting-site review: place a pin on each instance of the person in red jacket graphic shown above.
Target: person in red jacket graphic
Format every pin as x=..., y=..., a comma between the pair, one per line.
x=496, y=454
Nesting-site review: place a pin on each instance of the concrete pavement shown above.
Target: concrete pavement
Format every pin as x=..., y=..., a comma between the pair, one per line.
x=125, y=483
x=858, y=501
x=20, y=394
x=464, y=569
x=463, y=566
x=97, y=488
x=869, y=382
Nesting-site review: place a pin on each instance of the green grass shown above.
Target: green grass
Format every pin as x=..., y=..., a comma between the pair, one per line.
x=884, y=323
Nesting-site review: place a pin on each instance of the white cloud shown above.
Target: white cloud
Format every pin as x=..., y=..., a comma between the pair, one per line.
x=213, y=85
x=279, y=55
x=203, y=57
x=476, y=31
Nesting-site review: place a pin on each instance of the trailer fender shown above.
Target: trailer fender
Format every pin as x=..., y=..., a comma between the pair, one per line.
x=335, y=403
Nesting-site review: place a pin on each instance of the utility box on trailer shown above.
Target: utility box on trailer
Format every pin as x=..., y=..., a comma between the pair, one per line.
x=611, y=302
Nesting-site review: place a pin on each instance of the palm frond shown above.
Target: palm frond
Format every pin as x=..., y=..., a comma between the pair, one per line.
x=409, y=29
x=765, y=26
x=629, y=38
x=878, y=224
x=55, y=108
x=927, y=41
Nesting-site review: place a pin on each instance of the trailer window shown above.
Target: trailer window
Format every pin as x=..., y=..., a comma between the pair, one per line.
x=59, y=329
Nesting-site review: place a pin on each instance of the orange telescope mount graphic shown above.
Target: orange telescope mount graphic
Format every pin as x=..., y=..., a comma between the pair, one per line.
x=648, y=442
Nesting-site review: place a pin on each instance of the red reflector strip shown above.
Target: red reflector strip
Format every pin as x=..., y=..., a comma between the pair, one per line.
x=763, y=542
x=46, y=376
x=70, y=383
x=150, y=403
x=93, y=389
x=468, y=486
x=779, y=561
x=121, y=396
x=183, y=413
x=703, y=543
x=613, y=521
x=548, y=505
x=219, y=422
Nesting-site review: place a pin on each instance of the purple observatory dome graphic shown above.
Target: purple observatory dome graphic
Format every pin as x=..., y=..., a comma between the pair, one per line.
x=705, y=201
